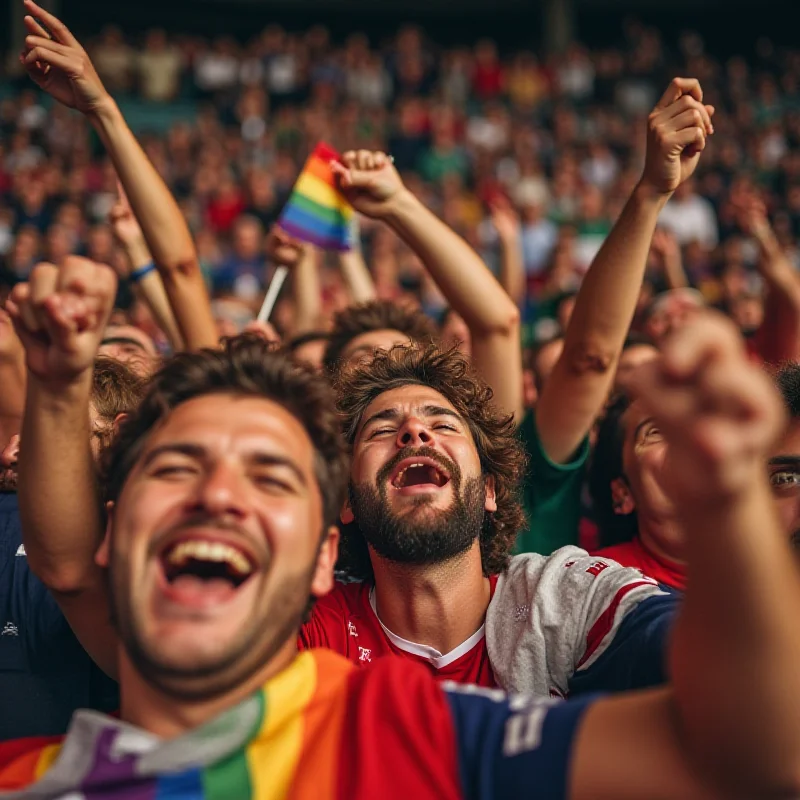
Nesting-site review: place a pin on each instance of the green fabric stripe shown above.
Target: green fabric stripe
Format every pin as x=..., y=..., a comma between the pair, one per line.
x=231, y=777
x=332, y=215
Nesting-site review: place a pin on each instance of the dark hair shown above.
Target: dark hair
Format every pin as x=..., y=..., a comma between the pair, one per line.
x=296, y=342
x=502, y=457
x=116, y=389
x=248, y=366
x=607, y=465
x=788, y=381
x=376, y=315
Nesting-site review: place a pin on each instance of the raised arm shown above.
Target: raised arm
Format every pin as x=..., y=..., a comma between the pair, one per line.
x=61, y=67
x=778, y=338
x=734, y=650
x=578, y=387
x=375, y=189
x=146, y=282
x=60, y=316
x=355, y=272
x=512, y=268
x=301, y=258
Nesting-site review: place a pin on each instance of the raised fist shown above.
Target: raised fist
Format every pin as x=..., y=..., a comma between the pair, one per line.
x=676, y=135
x=58, y=64
x=369, y=181
x=60, y=315
x=719, y=413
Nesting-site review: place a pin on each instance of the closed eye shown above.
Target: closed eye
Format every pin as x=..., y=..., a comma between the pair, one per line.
x=379, y=432
x=173, y=470
x=272, y=483
x=444, y=426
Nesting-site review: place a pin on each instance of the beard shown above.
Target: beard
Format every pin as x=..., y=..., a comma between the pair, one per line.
x=8, y=480
x=420, y=537
x=269, y=626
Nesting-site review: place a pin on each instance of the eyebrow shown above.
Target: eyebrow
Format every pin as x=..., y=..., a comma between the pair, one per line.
x=124, y=340
x=785, y=461
x=425, y=411
x=197, y=451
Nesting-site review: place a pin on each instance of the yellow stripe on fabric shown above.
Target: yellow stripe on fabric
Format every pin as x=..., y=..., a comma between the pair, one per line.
x=322, y=193
x=273, y=755
x=46, y=759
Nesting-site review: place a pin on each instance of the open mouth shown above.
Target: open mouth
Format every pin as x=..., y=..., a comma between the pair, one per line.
x=419, y=473
x=200, y=565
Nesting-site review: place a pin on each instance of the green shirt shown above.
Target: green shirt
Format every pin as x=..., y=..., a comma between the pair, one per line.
x=551, y=494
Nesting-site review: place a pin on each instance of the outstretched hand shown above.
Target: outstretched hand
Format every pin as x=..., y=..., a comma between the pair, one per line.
x=58, y=64
x=60, y=315
x=719, y=413
x=677, y=130
x=369, y=181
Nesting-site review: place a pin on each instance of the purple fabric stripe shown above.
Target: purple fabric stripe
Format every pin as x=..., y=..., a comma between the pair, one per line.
x=113, y=778
x=325, y=242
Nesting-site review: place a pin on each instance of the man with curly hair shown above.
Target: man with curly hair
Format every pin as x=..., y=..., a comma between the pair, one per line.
x=431, y=519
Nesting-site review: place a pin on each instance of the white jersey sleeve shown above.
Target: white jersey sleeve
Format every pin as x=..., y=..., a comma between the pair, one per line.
x=552, y=616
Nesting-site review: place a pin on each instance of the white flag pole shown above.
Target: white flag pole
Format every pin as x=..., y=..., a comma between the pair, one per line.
x=272, y=293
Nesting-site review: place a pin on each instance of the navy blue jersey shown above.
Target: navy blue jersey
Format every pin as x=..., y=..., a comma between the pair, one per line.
x=45, y=674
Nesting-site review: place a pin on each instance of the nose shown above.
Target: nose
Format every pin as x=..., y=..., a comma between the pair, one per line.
x=413, y=433
x=9, y=456
x=221, y=492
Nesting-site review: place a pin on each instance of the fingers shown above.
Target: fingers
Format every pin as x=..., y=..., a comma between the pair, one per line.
x=46, y=43
x=365, y=160
x=34, y=27
x=342, y=173
x=679, y=87
x=49, y=57
x=689, y=110
x=59, y=30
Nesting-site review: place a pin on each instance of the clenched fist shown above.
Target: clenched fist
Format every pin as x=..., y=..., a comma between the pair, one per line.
x=719, y=413
x=369, y=181
x=60, y=315
x=676, y=135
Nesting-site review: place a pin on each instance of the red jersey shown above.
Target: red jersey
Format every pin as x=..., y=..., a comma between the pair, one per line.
x=346, y=621
x=635, y=554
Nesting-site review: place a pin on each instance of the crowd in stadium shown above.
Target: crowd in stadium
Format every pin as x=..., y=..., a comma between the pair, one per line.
x=504, y=498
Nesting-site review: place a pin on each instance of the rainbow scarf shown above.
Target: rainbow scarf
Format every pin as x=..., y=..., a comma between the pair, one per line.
x=316, y=211
x=262, y=748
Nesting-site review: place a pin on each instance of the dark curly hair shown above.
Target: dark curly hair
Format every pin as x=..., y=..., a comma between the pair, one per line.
x=501, y=454
x=376, y=315
x=607, y=465
x=788, y=381
x=248, y=366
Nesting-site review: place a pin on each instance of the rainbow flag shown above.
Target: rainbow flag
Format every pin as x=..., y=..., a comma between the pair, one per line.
x=316, y=211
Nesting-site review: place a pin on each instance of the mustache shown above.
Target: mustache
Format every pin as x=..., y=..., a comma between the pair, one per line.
x=449, y=466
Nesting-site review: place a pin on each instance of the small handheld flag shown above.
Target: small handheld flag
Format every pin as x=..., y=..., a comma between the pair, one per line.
x=316, y=211
x=272, y=293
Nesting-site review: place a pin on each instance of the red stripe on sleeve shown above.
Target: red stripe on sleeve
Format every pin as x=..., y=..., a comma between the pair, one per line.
x=605, y=622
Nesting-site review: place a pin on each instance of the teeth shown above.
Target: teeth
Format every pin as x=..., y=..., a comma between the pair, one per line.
x=398, y=481
x=200, y=550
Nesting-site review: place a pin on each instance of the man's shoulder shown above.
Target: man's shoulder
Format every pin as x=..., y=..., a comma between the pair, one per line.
x=345, y=598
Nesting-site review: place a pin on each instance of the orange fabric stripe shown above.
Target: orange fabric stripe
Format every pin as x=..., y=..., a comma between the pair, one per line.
x=317, y=167
x=21, y=771
x=317, y=775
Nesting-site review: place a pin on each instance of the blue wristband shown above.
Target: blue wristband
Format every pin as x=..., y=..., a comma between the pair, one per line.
x=140, y=272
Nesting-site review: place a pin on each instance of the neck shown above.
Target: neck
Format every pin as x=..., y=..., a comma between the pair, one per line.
x=440, y=605
x=663, y=538
x=157, y=711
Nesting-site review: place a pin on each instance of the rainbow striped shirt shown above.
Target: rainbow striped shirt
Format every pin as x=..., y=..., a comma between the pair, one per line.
x=320, y=729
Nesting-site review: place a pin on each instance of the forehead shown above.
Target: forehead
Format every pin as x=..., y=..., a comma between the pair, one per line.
x=225, y=424
x=639, y=354
x=409, y=399
x=131, y=332
x=367, y=343
x=789, y=443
